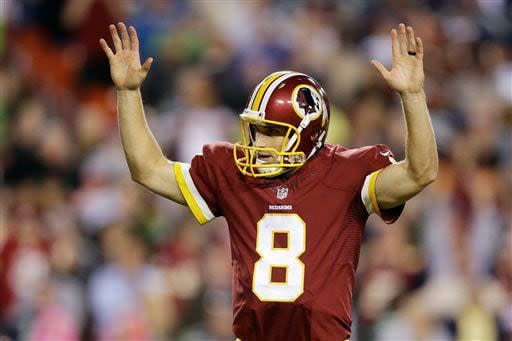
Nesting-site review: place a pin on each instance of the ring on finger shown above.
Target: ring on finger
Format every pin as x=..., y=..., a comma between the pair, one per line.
x=411, y=53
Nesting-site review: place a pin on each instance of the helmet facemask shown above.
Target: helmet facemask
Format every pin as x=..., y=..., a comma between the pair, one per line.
x=247, y=154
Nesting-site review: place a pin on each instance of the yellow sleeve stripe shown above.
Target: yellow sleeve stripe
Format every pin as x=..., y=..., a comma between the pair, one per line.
x=371, y=192
x=194, y=200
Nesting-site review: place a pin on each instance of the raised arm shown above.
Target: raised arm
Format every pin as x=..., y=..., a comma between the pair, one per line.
x=401, y=181
x=148, y=166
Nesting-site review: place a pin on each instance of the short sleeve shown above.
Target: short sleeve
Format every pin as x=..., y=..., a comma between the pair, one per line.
x=378, y=157
x=199, y=186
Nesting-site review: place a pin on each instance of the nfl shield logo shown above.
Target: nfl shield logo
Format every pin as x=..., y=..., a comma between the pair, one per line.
x=282, y=193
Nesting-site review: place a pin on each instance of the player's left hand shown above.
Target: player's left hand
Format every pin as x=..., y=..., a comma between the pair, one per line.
x=406, y=75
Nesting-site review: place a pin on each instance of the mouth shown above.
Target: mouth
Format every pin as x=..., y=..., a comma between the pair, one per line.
x=265, y=158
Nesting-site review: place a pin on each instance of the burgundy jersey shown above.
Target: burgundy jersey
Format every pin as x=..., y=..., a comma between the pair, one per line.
x=294, y=242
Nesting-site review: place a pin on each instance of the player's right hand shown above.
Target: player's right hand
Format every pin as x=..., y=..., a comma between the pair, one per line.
x=125, y=68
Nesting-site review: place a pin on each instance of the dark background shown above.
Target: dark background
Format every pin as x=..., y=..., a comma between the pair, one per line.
x=86, y=253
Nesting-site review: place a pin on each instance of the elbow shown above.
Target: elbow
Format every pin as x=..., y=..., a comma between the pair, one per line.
x=136, y=178
x=426, y=175
x=137, y=175
x=433, y=170
x=142, y=179
x=144, y=174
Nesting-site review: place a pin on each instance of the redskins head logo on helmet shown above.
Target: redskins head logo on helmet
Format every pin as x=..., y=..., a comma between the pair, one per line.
x=293, y=103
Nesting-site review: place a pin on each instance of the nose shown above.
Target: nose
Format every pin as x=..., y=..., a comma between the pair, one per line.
x=261, y=140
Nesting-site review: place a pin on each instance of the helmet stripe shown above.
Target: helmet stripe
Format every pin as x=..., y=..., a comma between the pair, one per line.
x=273, y=86
x=262, y=88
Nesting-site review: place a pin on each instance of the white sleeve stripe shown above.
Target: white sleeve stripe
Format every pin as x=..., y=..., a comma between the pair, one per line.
x=195, y=193
x=365, y=194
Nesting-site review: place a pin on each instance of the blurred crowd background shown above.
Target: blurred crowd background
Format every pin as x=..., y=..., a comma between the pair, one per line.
x=88, y=254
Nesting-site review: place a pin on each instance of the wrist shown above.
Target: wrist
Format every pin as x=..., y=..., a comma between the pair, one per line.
x=127, y=91
x=128, y=94
x=408, y=95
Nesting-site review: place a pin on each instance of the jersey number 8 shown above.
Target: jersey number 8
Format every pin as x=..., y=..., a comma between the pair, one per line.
x=272, y=257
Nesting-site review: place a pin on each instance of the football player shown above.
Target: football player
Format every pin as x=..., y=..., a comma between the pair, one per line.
x=295, y=206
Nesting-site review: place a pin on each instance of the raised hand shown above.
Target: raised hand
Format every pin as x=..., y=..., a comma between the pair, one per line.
x=406, y=75
x=125, y=68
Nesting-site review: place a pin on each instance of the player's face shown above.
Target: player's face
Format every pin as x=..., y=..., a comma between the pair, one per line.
x=269, y=137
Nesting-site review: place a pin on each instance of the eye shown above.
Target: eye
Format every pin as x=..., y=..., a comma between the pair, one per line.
x=270, y=130
x=275, y=131
x=281, y=131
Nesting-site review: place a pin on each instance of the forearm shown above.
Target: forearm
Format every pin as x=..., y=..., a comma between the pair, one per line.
x=401, y=181
x=140, y=147
x=421, y=149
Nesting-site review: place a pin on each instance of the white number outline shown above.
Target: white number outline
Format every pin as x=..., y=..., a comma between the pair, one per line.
x=295, y=257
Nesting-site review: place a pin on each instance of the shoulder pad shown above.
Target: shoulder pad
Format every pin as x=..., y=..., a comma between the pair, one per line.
x=350, y=166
